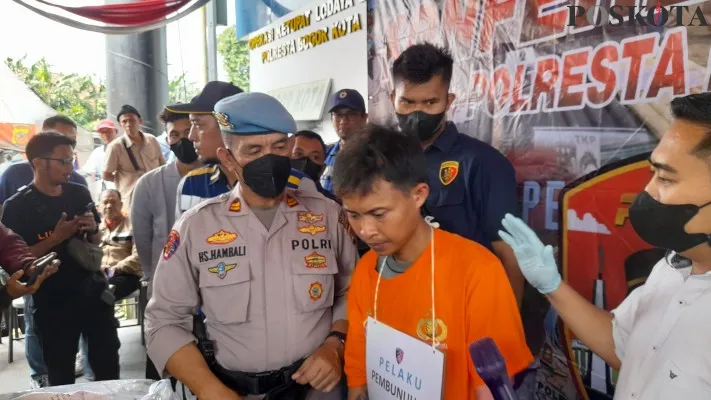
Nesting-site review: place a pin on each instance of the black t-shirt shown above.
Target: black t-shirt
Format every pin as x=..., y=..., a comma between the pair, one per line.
x=20, y=214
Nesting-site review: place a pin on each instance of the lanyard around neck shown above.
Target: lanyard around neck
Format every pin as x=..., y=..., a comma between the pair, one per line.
x=435, y=343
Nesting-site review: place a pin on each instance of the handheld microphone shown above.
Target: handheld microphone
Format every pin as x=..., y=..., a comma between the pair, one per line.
x=491, y=367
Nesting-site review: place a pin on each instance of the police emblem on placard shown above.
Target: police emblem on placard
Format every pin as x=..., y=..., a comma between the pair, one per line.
x=309, y=218
x=222, y=237
x=223, y=120
x=291, y=201
x=312, y=229
x=426, y=331
x=315, y=291
x=343, y=94
x=399, y=355
x=236, y=205
x=171, y=245
x=448, y=171
x=315, y=260
x=222, y=269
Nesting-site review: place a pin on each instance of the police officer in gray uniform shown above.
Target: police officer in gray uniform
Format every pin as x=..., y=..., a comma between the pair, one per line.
x=268, y=266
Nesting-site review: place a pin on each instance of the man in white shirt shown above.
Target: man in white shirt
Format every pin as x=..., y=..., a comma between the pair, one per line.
x=659, y=336
x=94, y=166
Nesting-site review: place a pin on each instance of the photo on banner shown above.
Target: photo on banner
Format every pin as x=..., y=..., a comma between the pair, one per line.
x=562, y=96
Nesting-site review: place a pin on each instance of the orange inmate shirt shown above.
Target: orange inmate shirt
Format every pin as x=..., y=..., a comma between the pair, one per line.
x=473, y=300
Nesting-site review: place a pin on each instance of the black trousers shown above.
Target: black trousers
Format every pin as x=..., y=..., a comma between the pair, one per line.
x=59, y=327
x=151, y=371
x=124, y=284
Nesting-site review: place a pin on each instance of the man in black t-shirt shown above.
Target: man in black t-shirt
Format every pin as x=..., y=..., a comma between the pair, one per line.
x=47, y=214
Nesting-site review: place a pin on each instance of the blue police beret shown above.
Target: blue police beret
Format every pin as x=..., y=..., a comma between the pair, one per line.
x=253, y=114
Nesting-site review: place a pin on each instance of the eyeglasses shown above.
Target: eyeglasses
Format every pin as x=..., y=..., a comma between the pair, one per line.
x=348, y=115
x=63, y=161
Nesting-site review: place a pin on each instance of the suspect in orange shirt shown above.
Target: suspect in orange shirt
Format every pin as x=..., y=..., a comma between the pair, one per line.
x=382, y=182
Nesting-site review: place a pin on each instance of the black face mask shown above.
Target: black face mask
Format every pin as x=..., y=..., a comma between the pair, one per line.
x=267, y=175
x=307, y=166
x=184, y=151
x=662, y=225
x=420, y=124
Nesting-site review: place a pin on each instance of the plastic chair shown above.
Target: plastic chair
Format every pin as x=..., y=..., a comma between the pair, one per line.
x=13, y=326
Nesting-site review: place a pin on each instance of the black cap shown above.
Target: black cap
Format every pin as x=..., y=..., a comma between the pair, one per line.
x=127, y=109
x=349, y=98
x=204, y=103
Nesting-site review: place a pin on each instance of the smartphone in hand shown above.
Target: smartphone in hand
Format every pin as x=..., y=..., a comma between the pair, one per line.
x=43, y=263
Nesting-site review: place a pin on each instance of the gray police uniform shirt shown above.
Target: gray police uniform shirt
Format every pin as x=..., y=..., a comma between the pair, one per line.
x=270, y=296
x=153, y=213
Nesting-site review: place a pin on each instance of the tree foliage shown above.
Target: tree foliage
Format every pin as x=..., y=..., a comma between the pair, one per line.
x=181, y=91
x=80, y=97
x=235, y=56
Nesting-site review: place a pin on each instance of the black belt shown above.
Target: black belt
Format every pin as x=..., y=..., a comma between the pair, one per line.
x=276, y=384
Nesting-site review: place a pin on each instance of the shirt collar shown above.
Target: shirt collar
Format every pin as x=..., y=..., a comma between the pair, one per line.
x=445, y=142
x=682, y=265
x=130, y=141
x=236, y=206
x=113, y=225
x=218, y=176
x=335, y=148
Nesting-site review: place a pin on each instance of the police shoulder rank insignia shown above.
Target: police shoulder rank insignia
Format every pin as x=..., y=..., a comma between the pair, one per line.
x=223, y=120
x=448, y=171
x=171, y=245
x=315, y=260
x=291, y=201
x=222, y=269
x=222, y=237
x=315, y=291
x=236, y=205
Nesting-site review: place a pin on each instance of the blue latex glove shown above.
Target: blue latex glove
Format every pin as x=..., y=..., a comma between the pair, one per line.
x=535, y=260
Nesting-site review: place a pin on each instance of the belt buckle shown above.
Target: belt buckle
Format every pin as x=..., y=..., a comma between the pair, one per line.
x=267, y=381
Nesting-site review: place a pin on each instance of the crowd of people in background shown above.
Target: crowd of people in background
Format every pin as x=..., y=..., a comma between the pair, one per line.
x=253, y=235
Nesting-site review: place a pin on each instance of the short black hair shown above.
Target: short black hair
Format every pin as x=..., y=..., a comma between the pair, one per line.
x=312, y=135
x=111, y=191
x=382, y=153
x=167, y=116
x=420, y=62
x=695, y=108
x=44, y=143
x=51, y=122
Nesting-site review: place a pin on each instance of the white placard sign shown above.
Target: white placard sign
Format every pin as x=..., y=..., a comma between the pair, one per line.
x=399, y=366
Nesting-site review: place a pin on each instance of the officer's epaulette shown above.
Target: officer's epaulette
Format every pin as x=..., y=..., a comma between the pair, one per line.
x=202, y=171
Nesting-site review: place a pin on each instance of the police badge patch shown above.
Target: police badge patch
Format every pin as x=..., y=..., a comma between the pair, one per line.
x=171, y=245
x=448, y=170
x=399, y=355
x=315, y=291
